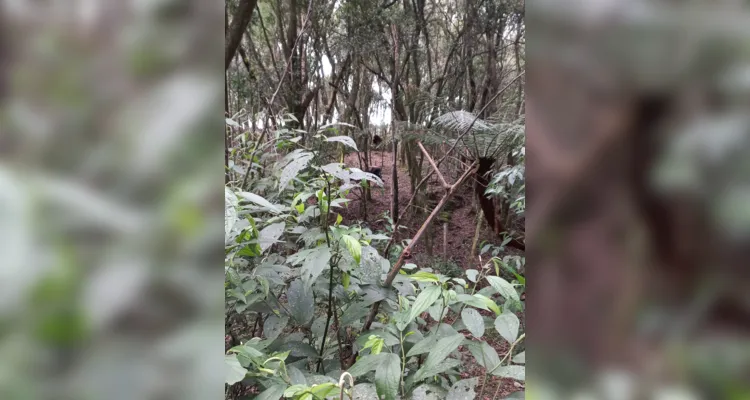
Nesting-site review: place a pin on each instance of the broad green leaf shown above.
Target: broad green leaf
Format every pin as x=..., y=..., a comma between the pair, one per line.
x=366, y=364
x=294, y=389
x=485, y=355
x=423, y=276
x=507, y=325
x=423, y=302
x=503, y=288
x=274, y=325
x=427, y=372
x=293, y=169
x=296, y=376
x=323, y=390
x=232, y=122
x=370, y=265
x=259, y=200
x=301, y=303
x=234, y=371
x=230, y=213
x=273, y=393
x=270, y=235
x=443, y=348
x=520, y=358
x=314, y=265
x=472, y=274
x=426, y=345
x=388, y=376
x=352, y=244
x=463, y=390
x=473, y=321
x=517, y=372
x=488, y=303
x=300, y=349
x=345, y=140
x=409, y=267
x=470, y=300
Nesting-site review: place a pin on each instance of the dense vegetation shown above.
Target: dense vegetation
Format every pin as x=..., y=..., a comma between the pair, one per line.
x=417, y=105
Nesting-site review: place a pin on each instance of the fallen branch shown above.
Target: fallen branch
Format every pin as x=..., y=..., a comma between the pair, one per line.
x=407, y=250
x=434, y=166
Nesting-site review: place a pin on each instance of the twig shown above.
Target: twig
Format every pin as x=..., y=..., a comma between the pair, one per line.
x=434, y=167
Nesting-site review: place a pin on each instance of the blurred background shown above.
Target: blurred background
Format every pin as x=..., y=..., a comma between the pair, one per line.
x=111, y=176
x=638, y=199
x=111, y=199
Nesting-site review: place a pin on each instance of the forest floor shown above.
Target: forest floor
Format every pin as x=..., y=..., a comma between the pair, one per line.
x=462, y=220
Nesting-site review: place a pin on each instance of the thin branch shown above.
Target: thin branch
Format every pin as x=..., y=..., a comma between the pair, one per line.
x=432, y=162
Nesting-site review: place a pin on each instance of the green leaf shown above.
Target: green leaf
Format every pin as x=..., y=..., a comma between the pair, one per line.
x=234, y=371
x=409, y=267
x=296, y=376
x=423, y=276
x=472, y=274
x=427, y=372
x=273, y=393
x=520, y=358
x=488, y=302
x=423, y=346
x=423, y=302
x=507, y=326
x=339, y=218
x=274, y=325
x=259, y=201
x=366, y=364
x=375, y=344
x=473, y=321
x=293, y=169
x=314, y=265
x=370, y=266
x=473, y=301
x=270, y=235
x=443, y=348
x=323, y=390
x=301, y=302
x=485, y=355
x=352, y=244
x=300, y=349
x=388, y=376
x=343, y=139
x=503, y=288
x=517, y=372
x=463, y=390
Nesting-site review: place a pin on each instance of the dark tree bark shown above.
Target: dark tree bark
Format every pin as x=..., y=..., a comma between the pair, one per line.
x=240, y=20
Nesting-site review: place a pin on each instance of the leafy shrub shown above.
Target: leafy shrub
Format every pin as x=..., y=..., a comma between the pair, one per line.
x=307, y=282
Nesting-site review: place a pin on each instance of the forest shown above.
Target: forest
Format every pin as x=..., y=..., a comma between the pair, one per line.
x=374, y=199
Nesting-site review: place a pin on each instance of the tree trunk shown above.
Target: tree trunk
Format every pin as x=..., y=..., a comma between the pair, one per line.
x=239, y=23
